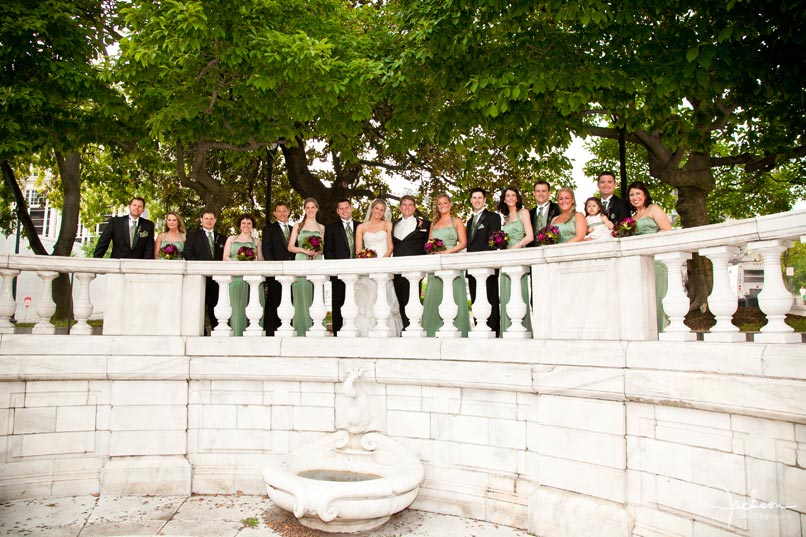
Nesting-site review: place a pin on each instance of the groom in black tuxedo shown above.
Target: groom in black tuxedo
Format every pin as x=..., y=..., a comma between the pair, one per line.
x=132, y=237
x=340, y=244
x=275, y=248
x=479, y=228
x=615, y=208
x=409, y=234
x=205, y=244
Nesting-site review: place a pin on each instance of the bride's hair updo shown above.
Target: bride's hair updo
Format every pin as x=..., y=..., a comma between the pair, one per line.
x=387, y=215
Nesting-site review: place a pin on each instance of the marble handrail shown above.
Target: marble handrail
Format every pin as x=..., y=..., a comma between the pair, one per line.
x=594, y=269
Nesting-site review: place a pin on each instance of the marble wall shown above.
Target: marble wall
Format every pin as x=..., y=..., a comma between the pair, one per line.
x=564, y=438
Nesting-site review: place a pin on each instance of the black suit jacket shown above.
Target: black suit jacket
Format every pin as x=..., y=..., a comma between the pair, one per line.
x=117, y=232
x=275, y=245
x=617, y=209
x=336, y=245
x=414, y=242
x=554, y=210
x=198, y=249
x=489, y=223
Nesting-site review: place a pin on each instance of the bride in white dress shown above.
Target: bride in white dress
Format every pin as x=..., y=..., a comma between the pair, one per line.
x=375, y=234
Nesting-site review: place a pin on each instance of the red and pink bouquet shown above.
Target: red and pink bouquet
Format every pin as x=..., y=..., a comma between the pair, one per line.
x=625, y=228
x=170, y=251
x=433, y=246
x=313, y=243
x=246, y=253
x=367, y=253
x=499, y=240
x=548, y=235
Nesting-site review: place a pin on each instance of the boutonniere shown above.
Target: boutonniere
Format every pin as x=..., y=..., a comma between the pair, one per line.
x=420, y=224
x=142, y=233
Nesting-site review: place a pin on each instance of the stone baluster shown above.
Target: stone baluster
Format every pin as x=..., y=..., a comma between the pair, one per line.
x=675, y=303
x=517, y=309
x=481, y=307
x=82, y=307
x=447, y=307
x=414, y=309
x=349, y=311
x=318, y=310
x=381, y=309
x=254, y=311
x=45, y=307
x=774, y=299
x=7, y=303
x=223, y=309
x=723, y=300
x=286, y=309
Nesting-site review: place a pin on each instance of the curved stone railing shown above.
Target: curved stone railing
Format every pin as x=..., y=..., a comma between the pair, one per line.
x=592, y=290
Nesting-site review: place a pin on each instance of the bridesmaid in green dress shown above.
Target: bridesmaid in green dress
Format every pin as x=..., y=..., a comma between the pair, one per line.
x=649, y=218
x=302, y=290
x=239, y=289
x=572, y=224
x=518, y=226
x=451, y=230
x=172, y=233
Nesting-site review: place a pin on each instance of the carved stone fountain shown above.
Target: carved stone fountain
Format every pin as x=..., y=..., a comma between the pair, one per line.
x=348, y=481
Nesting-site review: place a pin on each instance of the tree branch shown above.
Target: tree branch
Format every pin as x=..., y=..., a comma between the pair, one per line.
x=22, y=210
x=755, y=163
x=206, y=68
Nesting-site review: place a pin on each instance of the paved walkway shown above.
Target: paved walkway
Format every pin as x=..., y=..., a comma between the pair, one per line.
x=205, y=516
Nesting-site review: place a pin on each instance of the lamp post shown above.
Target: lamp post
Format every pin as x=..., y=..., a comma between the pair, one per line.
x=270, y=149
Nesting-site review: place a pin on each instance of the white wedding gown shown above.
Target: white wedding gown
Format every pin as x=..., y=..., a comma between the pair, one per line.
x=366, y=292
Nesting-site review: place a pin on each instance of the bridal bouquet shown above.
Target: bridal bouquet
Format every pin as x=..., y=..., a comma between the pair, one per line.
x=170, y=251
x=367, y=253
x=625, y=228
x=434, y=245
x=314, y=243
x=246, y=253
x=498, y=240
x=548, y=235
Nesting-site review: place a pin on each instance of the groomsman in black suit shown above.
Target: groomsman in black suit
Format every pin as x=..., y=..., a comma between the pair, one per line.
x=340, y=244
x=132, y=236
x=545, y=210
x=408, y=238
x=479, y=228
x=205, y=244
x=275, y=248
x=615, y=208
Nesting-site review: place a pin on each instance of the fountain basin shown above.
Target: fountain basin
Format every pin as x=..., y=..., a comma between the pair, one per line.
x=346, y=483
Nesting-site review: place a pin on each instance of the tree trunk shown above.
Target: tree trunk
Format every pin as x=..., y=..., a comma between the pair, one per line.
x=22, y=210
x=70, y=173
x=694, y=181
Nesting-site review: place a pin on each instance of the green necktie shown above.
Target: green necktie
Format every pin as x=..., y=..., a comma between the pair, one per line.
x=132, y=232
x=541, y=221
x=211, y=242
x=350, y=238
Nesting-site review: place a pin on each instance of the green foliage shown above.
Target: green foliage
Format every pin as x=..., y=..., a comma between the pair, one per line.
x=686, y=81
x=795, y=257
x=251, y=522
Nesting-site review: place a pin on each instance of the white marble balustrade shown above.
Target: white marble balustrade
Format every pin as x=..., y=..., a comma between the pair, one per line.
x=592, y=290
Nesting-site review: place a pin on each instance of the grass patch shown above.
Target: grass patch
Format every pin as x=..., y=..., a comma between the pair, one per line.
x=62, y=323
x=251, y=522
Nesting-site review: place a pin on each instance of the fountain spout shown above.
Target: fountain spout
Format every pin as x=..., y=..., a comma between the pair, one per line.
x=357, y=414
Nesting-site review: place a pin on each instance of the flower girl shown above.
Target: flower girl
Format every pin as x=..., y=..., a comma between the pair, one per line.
x=599, y=226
